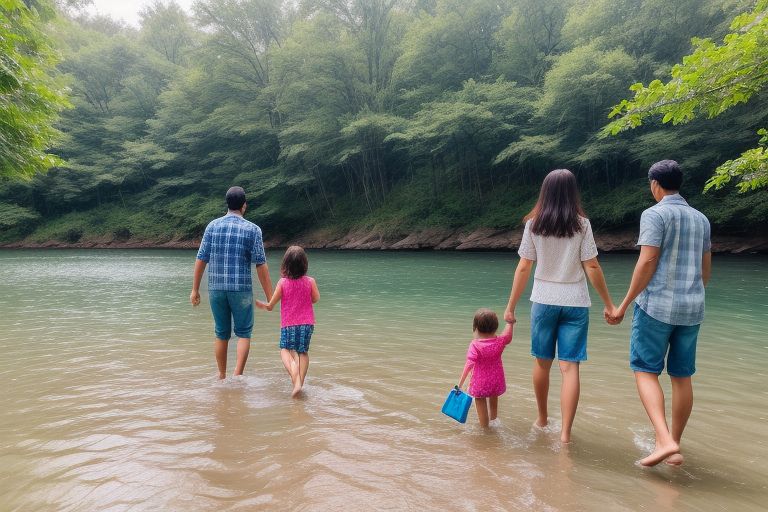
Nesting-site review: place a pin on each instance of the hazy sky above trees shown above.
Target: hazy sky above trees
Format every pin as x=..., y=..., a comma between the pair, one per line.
x=128, y=10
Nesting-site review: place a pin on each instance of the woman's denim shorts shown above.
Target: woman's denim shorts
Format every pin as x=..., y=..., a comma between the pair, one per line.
x=559, y=327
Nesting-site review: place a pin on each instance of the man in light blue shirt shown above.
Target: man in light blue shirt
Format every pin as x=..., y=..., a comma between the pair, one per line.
x=668, y=290
x=230, y=245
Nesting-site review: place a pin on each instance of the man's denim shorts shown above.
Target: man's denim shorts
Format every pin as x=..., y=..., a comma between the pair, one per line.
x=564, y=327
x=228, y=306
x=650, y=341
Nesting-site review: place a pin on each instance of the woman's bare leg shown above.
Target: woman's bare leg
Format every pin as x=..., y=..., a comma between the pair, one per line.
x=541, y=369
x=569, y=397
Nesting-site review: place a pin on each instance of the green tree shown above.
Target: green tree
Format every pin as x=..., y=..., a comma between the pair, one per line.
x=711, y=80
x=31, y=98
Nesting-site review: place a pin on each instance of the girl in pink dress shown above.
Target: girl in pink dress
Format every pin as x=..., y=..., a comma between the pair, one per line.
x=298, y=292
x=484, y=363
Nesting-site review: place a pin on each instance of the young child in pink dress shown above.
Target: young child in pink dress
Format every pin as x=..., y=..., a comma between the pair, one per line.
x=484, y=363
x=296, y=292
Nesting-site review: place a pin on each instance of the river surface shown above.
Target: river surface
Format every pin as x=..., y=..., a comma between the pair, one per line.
x=110, y=403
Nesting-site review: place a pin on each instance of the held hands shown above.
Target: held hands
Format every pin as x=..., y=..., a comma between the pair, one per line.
x=263, y=305
x=509, y=316
x=194, y=298
x=614, y=315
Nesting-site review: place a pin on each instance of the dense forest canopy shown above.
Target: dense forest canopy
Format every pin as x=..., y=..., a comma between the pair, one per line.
x=394, y=114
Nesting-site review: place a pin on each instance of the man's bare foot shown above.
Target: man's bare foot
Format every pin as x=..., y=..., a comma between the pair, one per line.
x=540, y=424
x=659, y=454
x=222, y=376
x=676, y=459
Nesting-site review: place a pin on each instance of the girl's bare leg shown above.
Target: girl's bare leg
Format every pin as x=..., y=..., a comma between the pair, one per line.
x=569, y=397
x=541, y=369
x=482, y=411
x=297, y=383
x=290, y=367
x=303, y=366
x=493, y=406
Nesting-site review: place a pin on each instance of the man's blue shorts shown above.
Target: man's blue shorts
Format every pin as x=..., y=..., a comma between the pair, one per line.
x=652, y=340
x=228, y=306
x=564, y=327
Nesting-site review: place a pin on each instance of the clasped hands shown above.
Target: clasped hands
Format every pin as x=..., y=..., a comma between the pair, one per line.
x=263, y=305
x=613, y=315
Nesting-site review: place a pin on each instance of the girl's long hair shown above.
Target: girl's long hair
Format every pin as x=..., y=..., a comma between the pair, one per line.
x=557, y=212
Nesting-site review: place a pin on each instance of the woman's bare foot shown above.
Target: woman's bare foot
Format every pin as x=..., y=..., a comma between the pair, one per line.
x=565, y=438
x=296, y=389
x=659, y=454
x=676, y=459
x=539, y=423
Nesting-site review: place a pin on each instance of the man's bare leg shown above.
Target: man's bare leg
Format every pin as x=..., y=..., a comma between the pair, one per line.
x=569, y=397
x=682, y=405
x=243, y=347
x=220, y=350
x=541, y=369
x=652, y=396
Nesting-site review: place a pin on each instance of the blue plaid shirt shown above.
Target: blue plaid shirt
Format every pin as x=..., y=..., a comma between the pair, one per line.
x=675, y=294
x=230, y=244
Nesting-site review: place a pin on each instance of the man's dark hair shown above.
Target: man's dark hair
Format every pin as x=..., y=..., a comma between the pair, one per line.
x=235, y=198
x=295, y=263
x=667, y=173
x=485, y=321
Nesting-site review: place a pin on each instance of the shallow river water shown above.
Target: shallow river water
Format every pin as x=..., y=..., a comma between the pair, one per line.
x=109, y=400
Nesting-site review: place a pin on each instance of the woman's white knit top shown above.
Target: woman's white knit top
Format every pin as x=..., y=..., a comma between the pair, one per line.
x=559, y=279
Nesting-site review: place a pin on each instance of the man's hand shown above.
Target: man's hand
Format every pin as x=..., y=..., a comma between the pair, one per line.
x=263, y=305
x=194, y=297
x=613, y=316
x=509, y=316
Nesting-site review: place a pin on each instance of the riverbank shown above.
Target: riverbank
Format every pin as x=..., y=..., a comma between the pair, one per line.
x=439, y=239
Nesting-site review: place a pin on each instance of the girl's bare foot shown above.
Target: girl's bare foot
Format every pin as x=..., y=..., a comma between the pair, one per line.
x=675, y=460
x=659, y=454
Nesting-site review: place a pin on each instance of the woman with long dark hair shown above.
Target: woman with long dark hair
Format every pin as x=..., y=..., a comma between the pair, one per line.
x=558, y=237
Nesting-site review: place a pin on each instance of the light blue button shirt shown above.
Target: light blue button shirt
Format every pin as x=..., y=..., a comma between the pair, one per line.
x=230, y=244
x=675, y=294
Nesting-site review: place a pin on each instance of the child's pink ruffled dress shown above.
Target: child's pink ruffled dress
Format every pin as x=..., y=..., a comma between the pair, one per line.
x=484, y=357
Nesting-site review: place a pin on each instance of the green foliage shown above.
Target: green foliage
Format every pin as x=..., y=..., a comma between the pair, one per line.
x=709, y=81
x=30, y=95
x=390, y=114
x=751, y=168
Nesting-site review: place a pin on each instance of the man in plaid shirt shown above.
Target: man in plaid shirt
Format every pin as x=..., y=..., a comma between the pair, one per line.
x=668, y=290
x=230, y=245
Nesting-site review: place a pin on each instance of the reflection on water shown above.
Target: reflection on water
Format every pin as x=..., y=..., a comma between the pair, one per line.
x=110, y=400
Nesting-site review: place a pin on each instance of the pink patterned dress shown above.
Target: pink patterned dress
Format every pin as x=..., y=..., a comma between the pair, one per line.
x=484, y=359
